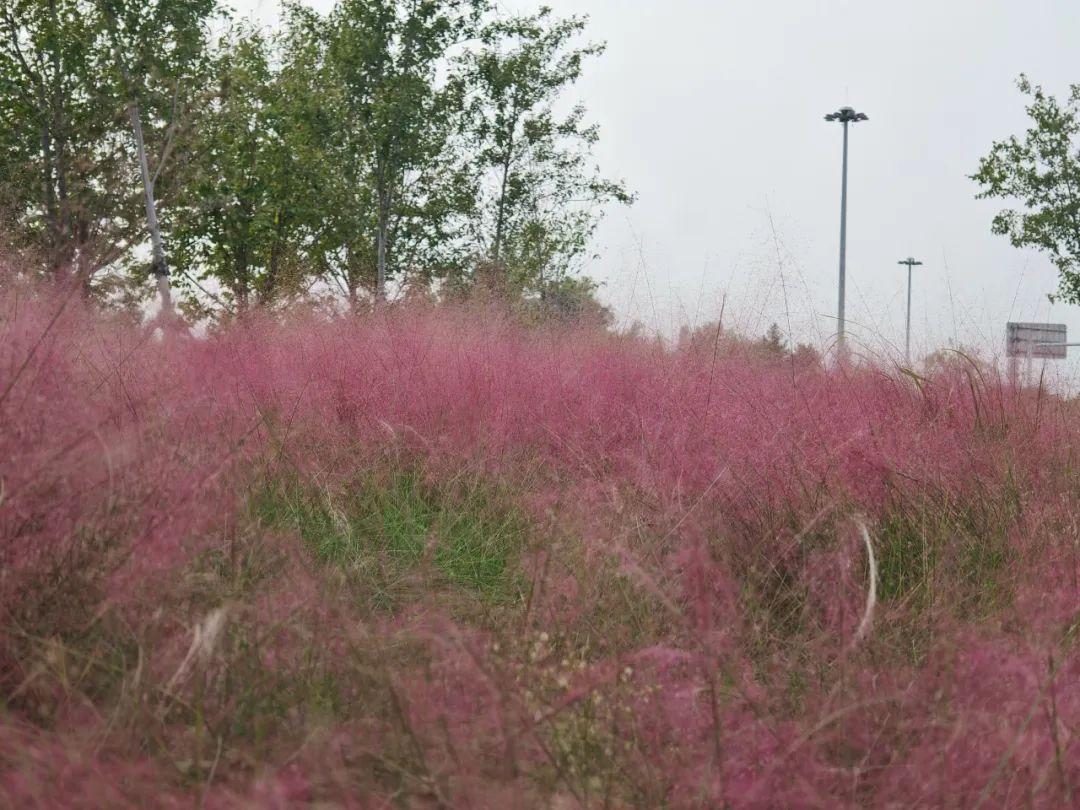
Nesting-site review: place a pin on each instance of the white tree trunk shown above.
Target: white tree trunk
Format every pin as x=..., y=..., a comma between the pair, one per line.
x=160, y=267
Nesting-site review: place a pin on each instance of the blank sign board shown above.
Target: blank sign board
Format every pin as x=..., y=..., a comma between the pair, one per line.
x=1041, y=341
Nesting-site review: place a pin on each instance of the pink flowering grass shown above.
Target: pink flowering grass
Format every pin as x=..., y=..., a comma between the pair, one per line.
x=434, y=557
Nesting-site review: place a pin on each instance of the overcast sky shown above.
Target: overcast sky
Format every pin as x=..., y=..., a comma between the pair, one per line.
x=712, y=110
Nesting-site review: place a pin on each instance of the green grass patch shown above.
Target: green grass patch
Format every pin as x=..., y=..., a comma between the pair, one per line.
x=923, y=552
x=389, y=530
x=939, y=560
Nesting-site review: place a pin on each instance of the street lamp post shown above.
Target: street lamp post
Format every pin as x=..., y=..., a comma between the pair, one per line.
x=907, y=342
x=845, y=115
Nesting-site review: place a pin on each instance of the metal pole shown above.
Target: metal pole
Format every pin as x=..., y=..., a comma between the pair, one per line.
x=843, y=240
x=911, y=264
x=846, y=116
x=907, y=339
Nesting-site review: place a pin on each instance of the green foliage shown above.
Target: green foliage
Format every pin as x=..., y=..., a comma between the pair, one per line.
x=774, y=344
x=539, y=196
x=64, y=176
x=390, y=173
x=573, y=299
x=384, y=141
x=253, y=189
x=1041, y=173
x=712, y=338
x=69, y=69
x=154, y=44
x=157, y=48
x=386, y=531
x=928, y=551
x=968, y=548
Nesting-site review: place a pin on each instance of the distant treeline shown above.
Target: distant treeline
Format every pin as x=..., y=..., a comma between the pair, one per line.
x=424, y=146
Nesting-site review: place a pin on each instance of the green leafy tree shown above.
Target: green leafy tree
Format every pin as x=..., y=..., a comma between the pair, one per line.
x=251, y=195
x=387, y=140
x=1041, y=172
x=390, y=174
x=773, y=344
x=64, y=175
x=539, y=194
x=573, y=299
x=806, y=356
x=79, y=79
x=159, y=56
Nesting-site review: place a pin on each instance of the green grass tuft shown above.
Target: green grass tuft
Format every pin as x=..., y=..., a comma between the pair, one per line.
x=387, y=531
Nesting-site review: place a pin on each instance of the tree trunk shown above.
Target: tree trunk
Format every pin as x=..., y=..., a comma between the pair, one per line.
x=60, y=145
x=500, y=218
x=273, y=265
x=160, y=267
x=380, y=243
x=84, y=265
x=52, y=214
x=242, y=282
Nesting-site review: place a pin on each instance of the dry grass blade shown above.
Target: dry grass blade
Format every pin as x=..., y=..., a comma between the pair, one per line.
x=867, y=620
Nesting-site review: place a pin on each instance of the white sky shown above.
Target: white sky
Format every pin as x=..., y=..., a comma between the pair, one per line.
x=712, y=110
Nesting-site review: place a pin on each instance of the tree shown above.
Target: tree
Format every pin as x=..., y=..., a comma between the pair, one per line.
x=79, y=79
x=158, y=48
x=252, y=192
x=773, y=345
x=63, y=174
x=539, y=194
x=387, y=140
x=1041, y=173
x=573, y=299
x=806, y=356
x=381, y=64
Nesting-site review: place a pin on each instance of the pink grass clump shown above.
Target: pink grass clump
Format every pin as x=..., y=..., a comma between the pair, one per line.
x=202, y=598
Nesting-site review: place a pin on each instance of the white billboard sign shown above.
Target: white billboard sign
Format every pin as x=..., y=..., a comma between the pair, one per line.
x=1039, y=341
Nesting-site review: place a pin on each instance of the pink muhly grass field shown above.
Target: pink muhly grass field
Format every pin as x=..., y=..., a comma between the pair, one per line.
x=437, y=558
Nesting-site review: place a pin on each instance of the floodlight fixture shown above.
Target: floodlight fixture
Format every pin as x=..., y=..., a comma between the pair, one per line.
x=846, y=115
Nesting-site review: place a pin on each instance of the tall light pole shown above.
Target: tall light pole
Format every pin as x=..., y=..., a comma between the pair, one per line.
x=907, y=343
x=845, y=115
